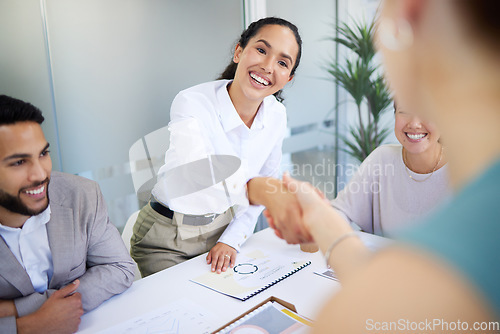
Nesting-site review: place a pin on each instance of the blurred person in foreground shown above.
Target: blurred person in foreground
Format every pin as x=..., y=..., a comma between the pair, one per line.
x=443, y=59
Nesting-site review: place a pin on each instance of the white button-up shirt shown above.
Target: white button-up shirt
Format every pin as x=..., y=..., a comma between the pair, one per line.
x=204, y=122
x=30, y=246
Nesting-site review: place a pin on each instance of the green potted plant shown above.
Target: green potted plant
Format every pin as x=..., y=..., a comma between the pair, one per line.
x=360, y=76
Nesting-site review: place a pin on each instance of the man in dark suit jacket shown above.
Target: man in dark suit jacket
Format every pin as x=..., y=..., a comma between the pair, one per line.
x=58, y=258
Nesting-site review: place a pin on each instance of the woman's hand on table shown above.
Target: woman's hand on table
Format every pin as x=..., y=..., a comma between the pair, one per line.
x=221, y=256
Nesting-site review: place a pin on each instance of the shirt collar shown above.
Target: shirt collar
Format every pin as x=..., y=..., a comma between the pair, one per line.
x=32, y=223
x=258, y=122
x=228, y=116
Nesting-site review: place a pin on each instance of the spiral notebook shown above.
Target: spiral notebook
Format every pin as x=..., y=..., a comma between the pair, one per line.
x=254, y=272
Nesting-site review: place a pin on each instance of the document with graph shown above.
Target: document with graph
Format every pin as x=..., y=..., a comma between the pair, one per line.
x=271, y=317
x=254, y=271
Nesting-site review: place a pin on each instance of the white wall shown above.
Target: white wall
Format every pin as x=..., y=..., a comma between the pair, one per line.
x=118, y=64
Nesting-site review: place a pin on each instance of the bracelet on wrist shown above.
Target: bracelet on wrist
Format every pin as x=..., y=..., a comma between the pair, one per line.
x=335, y=243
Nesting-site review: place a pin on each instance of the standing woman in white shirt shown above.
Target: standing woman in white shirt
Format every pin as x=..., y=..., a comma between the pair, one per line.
x=239, y=115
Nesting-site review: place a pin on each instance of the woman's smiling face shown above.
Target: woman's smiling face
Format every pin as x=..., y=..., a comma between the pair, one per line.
x=414, y=134
x=265, y=64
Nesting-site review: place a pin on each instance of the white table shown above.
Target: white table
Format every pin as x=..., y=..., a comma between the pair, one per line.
x=306, y=290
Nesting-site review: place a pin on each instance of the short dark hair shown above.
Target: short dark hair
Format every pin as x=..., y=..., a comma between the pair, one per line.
x=13, y=110
x=254, y=27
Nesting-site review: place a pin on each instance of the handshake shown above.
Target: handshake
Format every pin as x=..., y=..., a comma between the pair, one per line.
x=298, y=212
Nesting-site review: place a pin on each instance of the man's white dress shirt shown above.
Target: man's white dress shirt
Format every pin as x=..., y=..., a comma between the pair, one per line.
x=30, y=246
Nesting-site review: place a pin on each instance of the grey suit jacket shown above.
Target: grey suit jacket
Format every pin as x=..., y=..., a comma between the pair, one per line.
x=84, y=245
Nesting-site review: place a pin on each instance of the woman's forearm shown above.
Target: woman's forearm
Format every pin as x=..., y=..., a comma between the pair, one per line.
x=328, y=228
x=262, y=189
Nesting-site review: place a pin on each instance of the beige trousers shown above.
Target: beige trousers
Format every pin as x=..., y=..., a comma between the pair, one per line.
x=159, y=242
